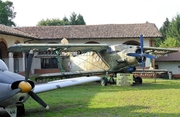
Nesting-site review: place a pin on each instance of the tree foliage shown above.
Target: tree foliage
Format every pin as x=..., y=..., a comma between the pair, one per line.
x=77, y=19
x=170, y=42
x=170, y=32
x=53, y=22
x=174, y=28
x=73, y=20
x=164, y=28
x=157, y=42
x=6, y=13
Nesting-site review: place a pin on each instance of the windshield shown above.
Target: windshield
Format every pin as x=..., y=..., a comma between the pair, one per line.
x=3, y=65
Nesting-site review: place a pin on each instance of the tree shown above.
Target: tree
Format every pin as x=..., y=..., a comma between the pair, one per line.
x=170, y=42
x=80, y=20
x=73, y=20
x=66, y=21
x=52, y=22
x=77, y=19
x=164, y=28
x=174, y=28
x=158, y=41
x=6, y=13
x=170, y=30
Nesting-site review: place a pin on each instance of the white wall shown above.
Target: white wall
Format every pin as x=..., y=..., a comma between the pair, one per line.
x=170, y=66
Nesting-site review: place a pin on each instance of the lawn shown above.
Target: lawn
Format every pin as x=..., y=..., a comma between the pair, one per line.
x=151, y=99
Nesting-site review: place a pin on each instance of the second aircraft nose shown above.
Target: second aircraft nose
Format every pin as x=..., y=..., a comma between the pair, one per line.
x=25, y=87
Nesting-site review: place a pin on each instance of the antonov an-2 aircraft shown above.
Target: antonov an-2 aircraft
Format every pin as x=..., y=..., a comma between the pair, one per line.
x=16, y=89
x=96, y=58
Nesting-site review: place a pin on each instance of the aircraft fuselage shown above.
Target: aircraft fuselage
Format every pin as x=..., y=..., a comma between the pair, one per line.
x=113, y=59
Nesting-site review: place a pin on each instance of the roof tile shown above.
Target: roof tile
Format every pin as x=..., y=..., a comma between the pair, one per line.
x=93, y=31
x=9, y=30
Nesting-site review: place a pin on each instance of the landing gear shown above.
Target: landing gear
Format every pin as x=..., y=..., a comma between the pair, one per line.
x=104, y=81
x=137, y=80
x=20, y=110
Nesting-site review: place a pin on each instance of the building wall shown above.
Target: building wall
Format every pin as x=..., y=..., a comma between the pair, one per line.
x=10, y=40
x=100, y=41
x=170, y=66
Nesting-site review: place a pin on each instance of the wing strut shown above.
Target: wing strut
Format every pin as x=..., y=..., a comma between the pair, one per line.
x=59, y=61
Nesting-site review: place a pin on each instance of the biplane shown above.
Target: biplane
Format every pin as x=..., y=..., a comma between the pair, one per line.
x=96, y=59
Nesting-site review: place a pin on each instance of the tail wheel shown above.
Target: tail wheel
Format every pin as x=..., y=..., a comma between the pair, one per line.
x=104, y=81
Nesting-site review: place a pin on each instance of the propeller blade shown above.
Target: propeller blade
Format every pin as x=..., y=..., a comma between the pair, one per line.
x=134, y=54
x=141, y=43
x=10, y=94
x=29, y=63
x=149, y=56
x=38, y=99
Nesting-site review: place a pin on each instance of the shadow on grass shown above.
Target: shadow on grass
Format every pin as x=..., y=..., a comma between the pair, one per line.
x=84, y=111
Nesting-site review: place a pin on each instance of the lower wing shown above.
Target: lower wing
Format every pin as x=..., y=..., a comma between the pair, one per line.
x=39, y=88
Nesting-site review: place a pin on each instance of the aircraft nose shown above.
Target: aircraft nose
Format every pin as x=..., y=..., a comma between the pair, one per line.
x=25, y=87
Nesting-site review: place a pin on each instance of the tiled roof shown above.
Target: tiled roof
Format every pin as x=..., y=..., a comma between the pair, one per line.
x=172, y=57
x=84, y=31
x=107, y=31
x=11, y=31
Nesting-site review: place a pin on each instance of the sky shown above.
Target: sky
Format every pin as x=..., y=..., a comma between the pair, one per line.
x=94, y=12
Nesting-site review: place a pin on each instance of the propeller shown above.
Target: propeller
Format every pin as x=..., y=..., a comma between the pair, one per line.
x=141, y=54
x=25, y=86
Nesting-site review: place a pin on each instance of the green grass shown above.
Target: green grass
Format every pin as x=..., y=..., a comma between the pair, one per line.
x=151, y=99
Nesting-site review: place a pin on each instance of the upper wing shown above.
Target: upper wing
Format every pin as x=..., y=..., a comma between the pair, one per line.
x=60, y=47
x=64, y=83
x=159, y=51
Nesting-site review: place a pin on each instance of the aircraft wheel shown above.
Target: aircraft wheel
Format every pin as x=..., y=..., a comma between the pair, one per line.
x=138, y=80
x=20, y=110
x=104, y=81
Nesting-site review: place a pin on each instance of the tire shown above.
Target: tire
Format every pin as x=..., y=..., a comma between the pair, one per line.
x=138, y=80
x=20, y=110
x=104, y=81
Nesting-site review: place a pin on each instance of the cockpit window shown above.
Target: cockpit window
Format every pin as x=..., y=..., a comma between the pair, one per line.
x=3, y=65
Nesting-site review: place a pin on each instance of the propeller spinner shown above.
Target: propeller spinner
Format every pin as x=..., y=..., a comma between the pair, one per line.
x=141, y=54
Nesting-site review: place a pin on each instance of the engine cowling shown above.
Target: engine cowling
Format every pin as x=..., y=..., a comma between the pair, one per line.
x=131, y=69
x=140, y=59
